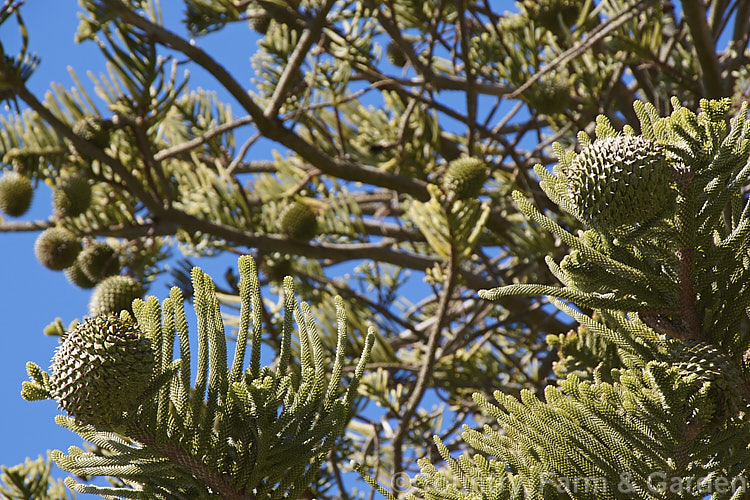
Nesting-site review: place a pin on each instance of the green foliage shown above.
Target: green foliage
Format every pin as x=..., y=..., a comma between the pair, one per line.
x=19, y=68
x=92, y=129
x=258, y=18
x=584, y=353
x=669, y=394
x=593, y=433
x=554, y=14
x=32, y=480
x=453, y=227
x=327, y=119
x=240, y=430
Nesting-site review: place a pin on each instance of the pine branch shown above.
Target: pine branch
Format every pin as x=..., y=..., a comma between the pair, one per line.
x=241, y=434
x=272, y=127
x=219, y=484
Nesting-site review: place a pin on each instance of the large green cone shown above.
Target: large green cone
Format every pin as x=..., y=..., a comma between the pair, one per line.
x=619, y=181
x=101, y=370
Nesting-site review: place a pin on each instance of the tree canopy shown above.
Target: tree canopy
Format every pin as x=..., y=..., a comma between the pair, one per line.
x=403, y=161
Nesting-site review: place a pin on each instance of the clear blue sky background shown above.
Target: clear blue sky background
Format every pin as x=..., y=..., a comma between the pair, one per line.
x=32, y=296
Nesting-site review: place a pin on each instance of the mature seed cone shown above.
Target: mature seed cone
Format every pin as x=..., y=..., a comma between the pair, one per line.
x=114, y=294
x=57, y=248
x=395, y=55
x=72, y=197
x=465, y=178
x=101, y=370
x=15, y=194
x=619, y=181
x=91, y=129
x=298, y=221
x=98, y=261
x=76, y=276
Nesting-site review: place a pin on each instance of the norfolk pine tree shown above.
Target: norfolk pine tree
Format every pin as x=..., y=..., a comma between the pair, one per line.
x=496, y=156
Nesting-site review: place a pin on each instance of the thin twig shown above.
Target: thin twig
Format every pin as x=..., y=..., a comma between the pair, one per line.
x=241, y=154
x=425, y=374
x=202, y=139
x=25, y=226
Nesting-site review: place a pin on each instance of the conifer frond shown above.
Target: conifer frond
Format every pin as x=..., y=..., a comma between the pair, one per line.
x=240, y=432
x=587, y=433
x=19, y=68
x=669, y=300
x=31, y=480
x=203, y=17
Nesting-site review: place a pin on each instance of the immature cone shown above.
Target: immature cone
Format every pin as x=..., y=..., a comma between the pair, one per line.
x=91, y=129
x=549, y=96
x=716, y=372
x=619, y=181
x=465, y=178
x=298, y=221
x=15, y=194
x=76, y=276
x=57, y=248
x=98, y=261
x=101, y=370
x=114, y=294
x=72, y=197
